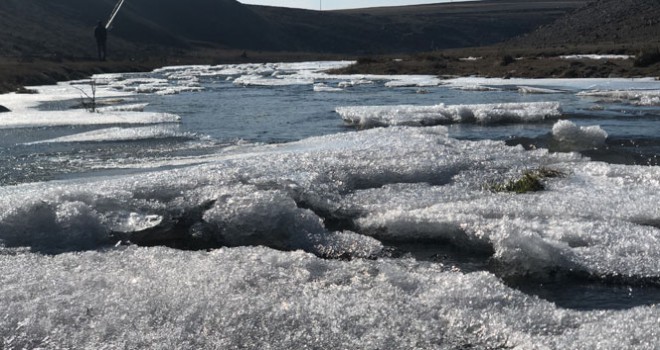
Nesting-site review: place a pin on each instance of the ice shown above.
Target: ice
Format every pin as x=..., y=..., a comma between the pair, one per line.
x=369, y=116
x=122, y=134
x=578, y=138
x=398, y=183
x=135, y=107
x=636, y=97
x=597, y=219
x=160, y=298
x=536, y=90
x=322, y=87
x=568, y=85
x=33, y=119
x=352, y=83
x=414, y=81
x=470, y=58
x=596, y=57
x=258, y=80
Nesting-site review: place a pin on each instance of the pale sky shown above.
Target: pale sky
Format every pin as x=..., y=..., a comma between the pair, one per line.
x=338, y=4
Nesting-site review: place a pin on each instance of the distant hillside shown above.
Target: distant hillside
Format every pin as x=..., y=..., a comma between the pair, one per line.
x=63, y=28
x=415, y=28
x=628, y=24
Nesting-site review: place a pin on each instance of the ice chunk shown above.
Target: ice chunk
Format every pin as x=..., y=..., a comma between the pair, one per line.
x=369, y=116
x=578, y=138
x=322, y=87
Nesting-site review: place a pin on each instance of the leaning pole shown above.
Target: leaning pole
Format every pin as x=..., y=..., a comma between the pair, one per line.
x=114, y=13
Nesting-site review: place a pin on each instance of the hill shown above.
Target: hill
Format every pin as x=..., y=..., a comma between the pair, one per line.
x=414, y=28
x=624, y=25
x=46, y=28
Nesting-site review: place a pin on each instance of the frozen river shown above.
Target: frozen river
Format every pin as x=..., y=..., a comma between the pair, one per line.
x=277, y=206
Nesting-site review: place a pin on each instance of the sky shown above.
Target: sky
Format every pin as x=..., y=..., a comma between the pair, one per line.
x=338, y=4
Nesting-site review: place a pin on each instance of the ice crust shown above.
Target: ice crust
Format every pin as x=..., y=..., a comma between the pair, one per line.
x=402, y=184
x=237, y=298
x=68, y=281
x=370, y=116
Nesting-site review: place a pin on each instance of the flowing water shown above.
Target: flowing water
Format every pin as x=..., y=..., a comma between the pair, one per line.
x=278, y=206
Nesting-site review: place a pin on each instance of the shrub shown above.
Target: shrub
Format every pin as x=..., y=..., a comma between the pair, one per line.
x=647, y=58
x=506, y=60
x=530, y=181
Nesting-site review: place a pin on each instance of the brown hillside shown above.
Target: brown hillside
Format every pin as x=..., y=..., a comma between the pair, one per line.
x=627, y=24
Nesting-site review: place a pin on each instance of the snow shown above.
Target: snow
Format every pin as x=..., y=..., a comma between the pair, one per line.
x=369, y=116
x=596, y=57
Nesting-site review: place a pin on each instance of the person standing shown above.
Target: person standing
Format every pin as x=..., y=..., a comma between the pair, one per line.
x=101, y=35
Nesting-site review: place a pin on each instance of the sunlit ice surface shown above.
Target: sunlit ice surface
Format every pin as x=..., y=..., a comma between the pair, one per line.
x=278, y=206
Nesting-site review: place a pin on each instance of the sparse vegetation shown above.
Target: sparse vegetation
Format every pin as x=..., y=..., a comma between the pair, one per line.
x=647, y=58
x=530, y=181
x=88, y=101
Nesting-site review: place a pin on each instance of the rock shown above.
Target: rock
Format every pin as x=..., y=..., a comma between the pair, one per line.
x=4, y=109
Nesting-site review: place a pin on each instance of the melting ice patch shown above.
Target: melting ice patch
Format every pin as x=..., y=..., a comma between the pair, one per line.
x=370, y=116
x=577, y=138
x=636, y=97
x=322, y=87
x=81, y=117
x=123, y=134
x=596, y=57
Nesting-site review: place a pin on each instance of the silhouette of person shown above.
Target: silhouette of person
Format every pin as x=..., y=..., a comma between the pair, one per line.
x=101, y=35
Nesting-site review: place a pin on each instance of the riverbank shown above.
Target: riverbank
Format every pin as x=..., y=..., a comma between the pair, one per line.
x=15, y=73
x=498, y=62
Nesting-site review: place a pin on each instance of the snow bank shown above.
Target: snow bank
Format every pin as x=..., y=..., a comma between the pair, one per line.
x=369, y=116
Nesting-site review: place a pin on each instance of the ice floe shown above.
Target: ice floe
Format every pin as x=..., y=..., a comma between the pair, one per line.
x=370, y=116
x=636, y=97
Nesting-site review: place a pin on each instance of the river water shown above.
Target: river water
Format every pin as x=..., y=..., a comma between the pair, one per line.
x=278, y=206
